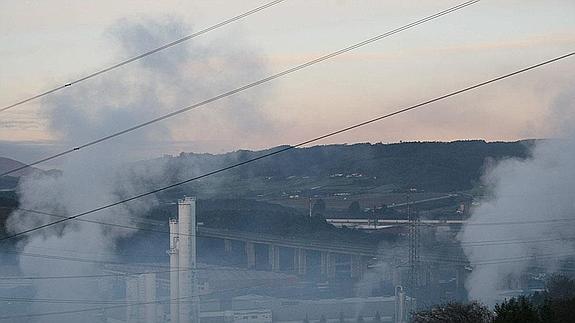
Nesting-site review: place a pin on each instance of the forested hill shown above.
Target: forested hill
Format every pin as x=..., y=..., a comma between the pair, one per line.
x=432, y=166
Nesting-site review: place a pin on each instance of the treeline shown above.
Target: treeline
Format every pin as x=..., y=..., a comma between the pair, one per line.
x=431, y=166
x=556, y=304
x=268, y=218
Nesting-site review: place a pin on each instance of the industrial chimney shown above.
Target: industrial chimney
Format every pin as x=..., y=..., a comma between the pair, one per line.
x=184, y=306
x=174, y=272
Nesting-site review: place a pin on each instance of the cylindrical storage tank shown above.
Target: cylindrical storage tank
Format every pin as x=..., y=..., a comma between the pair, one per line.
x=400, y=313
x=189, y=306
x=174, y=272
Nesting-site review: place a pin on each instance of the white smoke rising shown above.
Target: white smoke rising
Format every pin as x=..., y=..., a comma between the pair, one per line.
x=102, y=174
x=539, y=188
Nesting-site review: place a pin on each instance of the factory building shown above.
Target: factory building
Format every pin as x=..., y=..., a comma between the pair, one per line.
x=173, y=295
x=141, y=290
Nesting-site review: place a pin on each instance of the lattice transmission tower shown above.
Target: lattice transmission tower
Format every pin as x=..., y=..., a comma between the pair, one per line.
x=413, y=262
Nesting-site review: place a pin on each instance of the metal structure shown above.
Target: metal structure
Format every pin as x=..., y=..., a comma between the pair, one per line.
x=413, y=260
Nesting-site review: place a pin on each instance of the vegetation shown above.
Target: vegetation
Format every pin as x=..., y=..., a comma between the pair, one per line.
x=554, y=305
x=516, y=310
x=473, y=312
x=262, y=217
x=266, y=218
x=318, y=208
x=354, y=209
x=430, y=166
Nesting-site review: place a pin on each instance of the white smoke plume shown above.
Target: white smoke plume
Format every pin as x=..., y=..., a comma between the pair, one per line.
x=100, y=175
x=540, y=188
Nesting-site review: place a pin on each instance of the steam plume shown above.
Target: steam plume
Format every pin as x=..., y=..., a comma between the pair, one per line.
x=102, y=174
x=540, y=188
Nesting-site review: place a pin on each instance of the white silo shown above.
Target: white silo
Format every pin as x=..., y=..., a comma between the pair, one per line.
x=174, y=272
x=183, y=289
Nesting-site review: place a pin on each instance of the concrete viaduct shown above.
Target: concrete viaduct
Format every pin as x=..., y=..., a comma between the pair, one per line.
x=299, y=255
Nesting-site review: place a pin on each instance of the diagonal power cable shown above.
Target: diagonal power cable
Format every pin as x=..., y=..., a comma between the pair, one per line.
x=306, y=142
x=148, y=53
x=248, y=86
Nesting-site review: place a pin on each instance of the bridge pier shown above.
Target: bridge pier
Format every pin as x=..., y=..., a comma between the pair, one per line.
x=227, y=246
x=327, y=264
x=274, y=257
x=251, y=255
x=460, y=278
x=299, y=261
x=358, y=266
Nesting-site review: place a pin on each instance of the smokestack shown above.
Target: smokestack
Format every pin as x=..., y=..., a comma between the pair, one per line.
x=400, y=312
x=174, y=272
x=187, y=280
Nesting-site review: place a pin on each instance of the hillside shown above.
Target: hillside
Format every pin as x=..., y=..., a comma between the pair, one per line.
x=11, y=181
x=366, y=175
x=426, y=166
x=7, y=164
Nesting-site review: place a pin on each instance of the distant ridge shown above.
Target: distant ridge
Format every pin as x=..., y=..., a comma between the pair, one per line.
x=7, y=164
x=432, y=166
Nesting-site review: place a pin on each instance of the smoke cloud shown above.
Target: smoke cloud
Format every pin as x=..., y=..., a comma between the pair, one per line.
x=102, y=174
x=540, y=188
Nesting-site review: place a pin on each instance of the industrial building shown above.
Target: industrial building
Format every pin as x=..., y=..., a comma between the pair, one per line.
x=185, y=291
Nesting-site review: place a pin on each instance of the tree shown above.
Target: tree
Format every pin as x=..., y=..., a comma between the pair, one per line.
x=560, y=287
x=473, y=312
x=516, y=310
x=561, y=311
x=555, y=305
x=318, y=208
x=354, y=208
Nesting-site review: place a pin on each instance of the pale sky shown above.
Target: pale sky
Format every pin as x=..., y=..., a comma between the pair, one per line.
x=48, y=43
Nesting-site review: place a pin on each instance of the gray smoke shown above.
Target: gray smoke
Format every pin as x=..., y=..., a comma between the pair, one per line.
x=540, y=188
x=101, y=175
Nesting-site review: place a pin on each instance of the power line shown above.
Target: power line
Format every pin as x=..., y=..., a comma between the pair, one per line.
x=96, y=222
x=207, y=269
x=148, y=53
x=105, y=302
x=482, y=243
x=85, y=310
x=479, y=243
x=282, y=150
x=443, y=259
x=506, y=222
x=248, y=86
x=429, y=258
x=461, y=243
x=16, y=278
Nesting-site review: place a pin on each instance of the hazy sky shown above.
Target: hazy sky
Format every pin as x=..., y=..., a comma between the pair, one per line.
x=47, y=43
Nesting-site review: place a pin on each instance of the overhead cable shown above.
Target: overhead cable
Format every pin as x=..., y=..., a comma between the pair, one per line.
x=148, y=53
x=288, y=148
x=246, y=87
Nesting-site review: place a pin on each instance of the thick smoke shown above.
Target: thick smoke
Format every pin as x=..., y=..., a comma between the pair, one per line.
x=100, y=175
x=540, y=188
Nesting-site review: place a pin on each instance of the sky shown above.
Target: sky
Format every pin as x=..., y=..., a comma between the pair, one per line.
x=51, y=42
